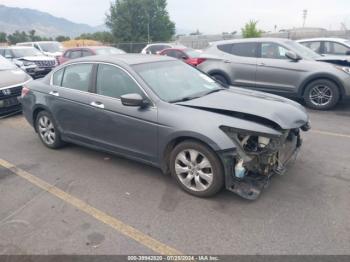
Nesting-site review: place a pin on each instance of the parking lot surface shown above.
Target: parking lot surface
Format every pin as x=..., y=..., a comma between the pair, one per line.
x=79, y=201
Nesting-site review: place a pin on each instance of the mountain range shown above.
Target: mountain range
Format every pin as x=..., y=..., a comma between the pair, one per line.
x=45, y=24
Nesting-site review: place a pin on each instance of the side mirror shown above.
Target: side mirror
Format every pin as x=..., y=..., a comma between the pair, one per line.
x=347, y=52
x=132, y=100
x=184, y=57
x=292, y=56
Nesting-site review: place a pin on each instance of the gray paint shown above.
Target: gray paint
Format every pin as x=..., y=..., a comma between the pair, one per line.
x=143, y=133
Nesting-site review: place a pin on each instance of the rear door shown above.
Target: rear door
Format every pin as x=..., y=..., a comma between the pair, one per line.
x=275, y=72
x=70, y=99
x=240, y=60
x=123, y=129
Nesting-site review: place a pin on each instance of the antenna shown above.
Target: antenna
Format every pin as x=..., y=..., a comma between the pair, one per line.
x=304, y=17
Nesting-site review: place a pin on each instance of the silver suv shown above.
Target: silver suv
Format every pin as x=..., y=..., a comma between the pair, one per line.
x=278, y=66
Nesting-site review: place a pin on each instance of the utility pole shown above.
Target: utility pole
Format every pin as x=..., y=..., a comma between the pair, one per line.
x=304, y=17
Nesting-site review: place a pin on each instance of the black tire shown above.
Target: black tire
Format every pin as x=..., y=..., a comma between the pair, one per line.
x=216, y=168
x=220, y=78
x=56, y=141
x=324, y=103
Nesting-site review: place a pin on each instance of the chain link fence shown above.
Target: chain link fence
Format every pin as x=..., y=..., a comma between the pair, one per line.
x=131, y=47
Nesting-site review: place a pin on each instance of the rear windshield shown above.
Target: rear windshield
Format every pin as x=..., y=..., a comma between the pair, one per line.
x=109, y=51
x=192, y=53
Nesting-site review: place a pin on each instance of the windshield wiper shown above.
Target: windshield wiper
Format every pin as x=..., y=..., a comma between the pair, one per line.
x=187, y=98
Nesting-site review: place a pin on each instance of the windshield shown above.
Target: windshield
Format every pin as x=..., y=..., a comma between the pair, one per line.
x=173, y=80
x=109, y=51
x=5, y=64
x=192, y=53
x=51, y=47
x=303, y=51
x=21, y=52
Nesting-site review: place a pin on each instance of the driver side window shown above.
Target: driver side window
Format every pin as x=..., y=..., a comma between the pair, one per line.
x=273, y=51
x=114, y=82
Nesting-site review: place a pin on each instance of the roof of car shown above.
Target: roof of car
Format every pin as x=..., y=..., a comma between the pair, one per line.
x=334, y=39
x=89, y=47
x=248, y=40
x=129, y=59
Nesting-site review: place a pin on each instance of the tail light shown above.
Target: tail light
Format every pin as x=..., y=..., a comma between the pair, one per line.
x=195, y=61
x=25, y=91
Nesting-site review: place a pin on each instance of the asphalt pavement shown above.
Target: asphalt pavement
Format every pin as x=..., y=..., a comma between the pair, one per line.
x=80, y=201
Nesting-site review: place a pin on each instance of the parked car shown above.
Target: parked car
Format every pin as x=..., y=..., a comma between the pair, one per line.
x=278, y=66
x=333, y=50
x=77, y=52
x=188, y=55
x=49, y=48
x=163, y=112
x=154, y=49
x=11, y=81
x=29, y=59
x=328, y=46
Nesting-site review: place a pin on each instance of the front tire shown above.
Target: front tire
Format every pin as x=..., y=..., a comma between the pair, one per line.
x=47, y=130
x=321, y=94
x=197, y=169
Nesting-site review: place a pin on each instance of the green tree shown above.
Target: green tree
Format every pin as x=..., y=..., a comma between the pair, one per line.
x=250, y=30
x=140, y=21
x=3, y=37
x=18, y=37
x=62, y=38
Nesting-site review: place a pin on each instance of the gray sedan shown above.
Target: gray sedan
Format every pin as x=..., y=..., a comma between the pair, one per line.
x=278, y=66
x=167, y=114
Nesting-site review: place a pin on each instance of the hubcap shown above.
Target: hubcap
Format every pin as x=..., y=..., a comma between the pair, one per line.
x=47, y=130
x=321, y=95
x=194, y=170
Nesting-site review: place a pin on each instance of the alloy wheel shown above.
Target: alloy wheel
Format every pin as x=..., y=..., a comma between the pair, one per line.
x=321, y=95
x=47, y=130
x=194, y=170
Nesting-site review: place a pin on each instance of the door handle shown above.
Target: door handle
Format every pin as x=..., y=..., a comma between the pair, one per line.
x=227, y=61
x=261, y=64
x=54, y=93
x=97, y=104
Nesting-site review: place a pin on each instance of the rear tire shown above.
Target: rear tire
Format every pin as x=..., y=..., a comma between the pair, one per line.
x=47, y=130
x=197, y=169
x=220, y=78
x=321, y=94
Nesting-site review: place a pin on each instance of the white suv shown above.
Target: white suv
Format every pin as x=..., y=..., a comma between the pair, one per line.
x=328, y=46
x=49, y=48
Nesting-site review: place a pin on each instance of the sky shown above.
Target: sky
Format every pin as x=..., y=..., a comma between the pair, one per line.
x=211, y=16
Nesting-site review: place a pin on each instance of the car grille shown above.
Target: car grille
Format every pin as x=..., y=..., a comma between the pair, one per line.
x=50, y=63
x=10, y=92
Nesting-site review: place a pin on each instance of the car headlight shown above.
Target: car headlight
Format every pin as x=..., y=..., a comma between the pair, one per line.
x=344, y=69
x=28, y=63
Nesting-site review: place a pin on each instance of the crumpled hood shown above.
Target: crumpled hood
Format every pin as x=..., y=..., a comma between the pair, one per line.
x=285, y=113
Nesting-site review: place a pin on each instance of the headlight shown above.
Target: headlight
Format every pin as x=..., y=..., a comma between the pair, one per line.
x=344, y=69
x=28, y=63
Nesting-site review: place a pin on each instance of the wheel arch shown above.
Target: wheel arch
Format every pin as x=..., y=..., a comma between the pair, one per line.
x=328, y=77
x=38, y=108
x=222, y=73
x=177, y=140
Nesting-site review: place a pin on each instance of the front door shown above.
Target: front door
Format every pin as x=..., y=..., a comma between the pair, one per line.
x=123, y=129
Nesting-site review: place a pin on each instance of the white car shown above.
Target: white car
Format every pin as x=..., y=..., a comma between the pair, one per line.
x=29, y=59
x=328, y=46
x=48, y=48
x=154, y=49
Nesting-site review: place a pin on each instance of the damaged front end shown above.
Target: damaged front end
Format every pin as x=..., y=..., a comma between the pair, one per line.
x=257, y=158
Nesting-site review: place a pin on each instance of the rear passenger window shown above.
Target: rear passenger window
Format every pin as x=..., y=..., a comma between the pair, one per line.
x=240, y=49
x=57, y=77
x=77, y=77
x=114, y=82
x=75, y=54
x=86, y=53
